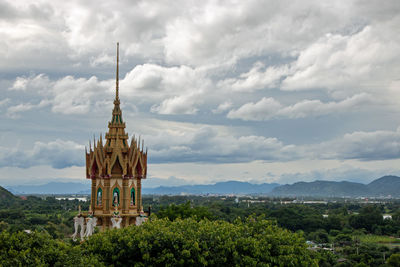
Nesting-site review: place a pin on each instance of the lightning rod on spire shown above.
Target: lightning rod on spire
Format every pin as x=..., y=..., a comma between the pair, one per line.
x=117, y=78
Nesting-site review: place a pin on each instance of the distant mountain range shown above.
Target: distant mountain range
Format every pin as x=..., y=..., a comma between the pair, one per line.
x=231, y=187
x=382, y=187
x=56, y=188
x=222, y=188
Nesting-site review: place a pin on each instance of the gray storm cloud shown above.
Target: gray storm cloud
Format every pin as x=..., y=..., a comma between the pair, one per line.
x=207, y=82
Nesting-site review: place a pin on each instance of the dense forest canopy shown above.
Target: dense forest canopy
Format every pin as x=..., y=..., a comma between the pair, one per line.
x=206, y=231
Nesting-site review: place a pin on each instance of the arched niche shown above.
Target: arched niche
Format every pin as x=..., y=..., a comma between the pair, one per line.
x=133, y=197
x=99, y=197
x=116, y=195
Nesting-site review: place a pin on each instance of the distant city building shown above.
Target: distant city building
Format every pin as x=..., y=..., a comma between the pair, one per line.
x=387, y=216
x=116, y=169
x=84, y=199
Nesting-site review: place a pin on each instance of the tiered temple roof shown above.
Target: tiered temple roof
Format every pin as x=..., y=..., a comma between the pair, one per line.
x=116, y=158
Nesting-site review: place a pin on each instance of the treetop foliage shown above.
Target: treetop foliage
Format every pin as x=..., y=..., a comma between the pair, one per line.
x=254, y=242
x=161, y=242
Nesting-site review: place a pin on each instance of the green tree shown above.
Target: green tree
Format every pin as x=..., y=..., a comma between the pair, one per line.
x=369, y=218
x=183, y=211
x=319, y=236
x=40, y=249
x=394, y=260
x=254, y=242
x=343, y=239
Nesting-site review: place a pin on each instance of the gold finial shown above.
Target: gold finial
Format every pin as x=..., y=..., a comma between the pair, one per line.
x=117, y=79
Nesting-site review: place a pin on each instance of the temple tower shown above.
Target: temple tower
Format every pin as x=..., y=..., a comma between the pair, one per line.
x=116, y=169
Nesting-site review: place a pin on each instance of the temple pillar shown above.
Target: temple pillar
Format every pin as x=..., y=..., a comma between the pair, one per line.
x=125, y=196
x=106, y=197
x=139, y=194
x=93, y=196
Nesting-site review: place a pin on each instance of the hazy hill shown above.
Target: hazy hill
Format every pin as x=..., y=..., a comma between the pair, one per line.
x=52, y=188
x=6, y=198
x=322, y=188
x=384, y=186
x=231, y=187
x=5, y=194
x=221, y=188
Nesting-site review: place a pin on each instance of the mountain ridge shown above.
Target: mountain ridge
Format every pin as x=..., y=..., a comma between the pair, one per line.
x=56, y=188
x=5, y=194
x=384, y=186
x=229, y=187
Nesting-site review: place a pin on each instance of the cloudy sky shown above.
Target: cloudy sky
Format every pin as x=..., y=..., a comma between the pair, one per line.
x=261, y=91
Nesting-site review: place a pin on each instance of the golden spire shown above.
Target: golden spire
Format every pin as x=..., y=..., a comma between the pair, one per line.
x=117, y=78
x=116, y=126
x=117, y=114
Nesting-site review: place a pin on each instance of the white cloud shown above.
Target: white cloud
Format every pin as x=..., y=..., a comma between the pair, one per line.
x=59, y=154
x=67, y=95
x=269, y=108
x=252, y=60
x=256, y=78
x=223, y=107
x=194, y=34
x=316, y=107
x=30, y=36
x=220, y=31
x=5, y=102
x=187, y=143
x=375, y=145
x=73, y=96
x=13, y=111
x=344, y=64
x=39, y=83
x=155, y=81
x=102, y=59
x=176, y=105
x=207, y=144
x=340, y=172
x=170, y=90
x=19, y=84
x=262, y=110
x=341, y=63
